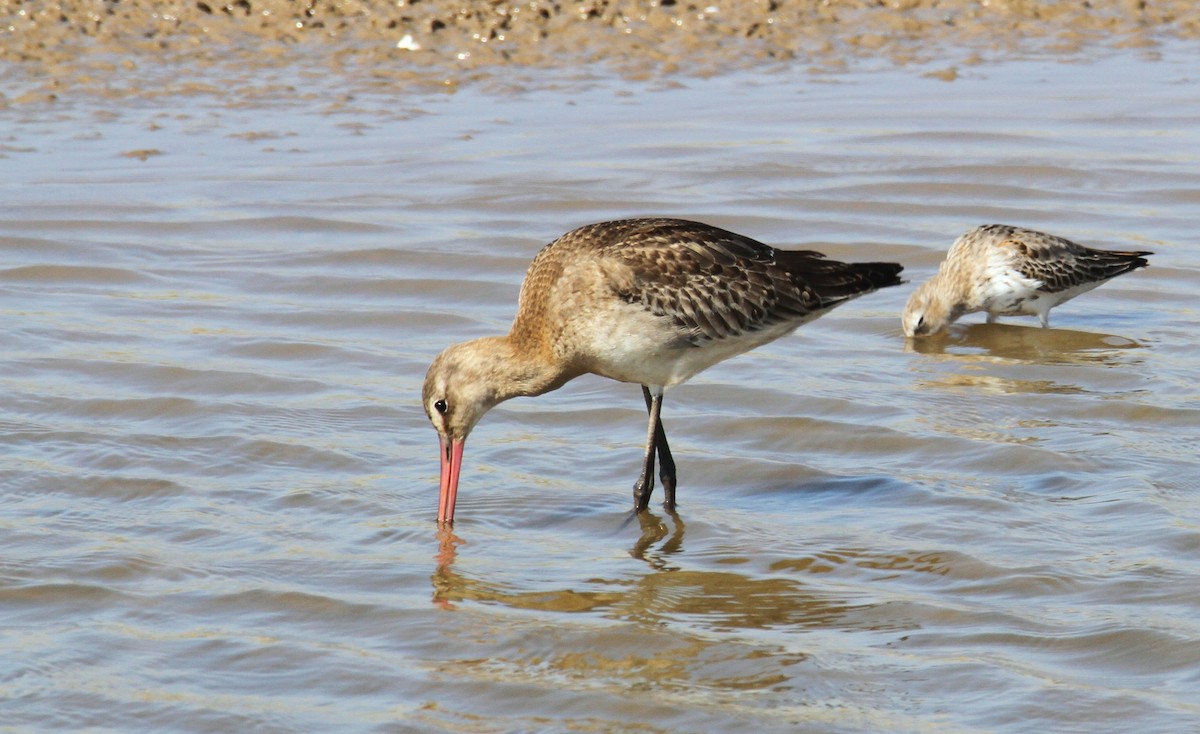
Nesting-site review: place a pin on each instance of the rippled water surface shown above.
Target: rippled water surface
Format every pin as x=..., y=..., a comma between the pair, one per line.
x=219, y=485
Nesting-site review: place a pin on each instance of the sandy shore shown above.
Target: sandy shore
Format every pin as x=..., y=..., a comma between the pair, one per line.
x=143, y=47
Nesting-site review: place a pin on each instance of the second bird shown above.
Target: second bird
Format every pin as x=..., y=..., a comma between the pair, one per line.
x=1010, y=271
x=646, y=301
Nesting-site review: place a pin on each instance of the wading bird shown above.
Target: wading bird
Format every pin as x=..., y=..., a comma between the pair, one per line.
x=646, y=301
x=1010, y=271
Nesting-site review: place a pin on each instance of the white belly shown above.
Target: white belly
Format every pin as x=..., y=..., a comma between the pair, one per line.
x=633, y=345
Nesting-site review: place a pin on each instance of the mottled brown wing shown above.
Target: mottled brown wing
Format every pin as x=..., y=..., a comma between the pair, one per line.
x=718, y=284
x=1061, y=264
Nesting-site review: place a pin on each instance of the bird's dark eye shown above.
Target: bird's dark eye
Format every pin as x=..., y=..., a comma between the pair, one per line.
x=440, y=406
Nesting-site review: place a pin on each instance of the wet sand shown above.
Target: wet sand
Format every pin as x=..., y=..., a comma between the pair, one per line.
x=140, y=48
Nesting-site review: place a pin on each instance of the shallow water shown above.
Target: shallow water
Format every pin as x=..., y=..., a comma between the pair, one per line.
x=219, y=484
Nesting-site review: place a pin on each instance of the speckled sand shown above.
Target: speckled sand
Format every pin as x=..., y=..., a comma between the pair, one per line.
x=55, y=49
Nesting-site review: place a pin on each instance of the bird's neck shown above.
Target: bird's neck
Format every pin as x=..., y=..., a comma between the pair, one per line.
x=518, y=368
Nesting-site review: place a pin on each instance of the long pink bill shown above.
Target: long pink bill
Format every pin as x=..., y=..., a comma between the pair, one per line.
x=451, y=452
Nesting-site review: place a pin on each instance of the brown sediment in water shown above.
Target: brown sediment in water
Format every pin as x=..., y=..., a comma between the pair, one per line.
x=145, y=47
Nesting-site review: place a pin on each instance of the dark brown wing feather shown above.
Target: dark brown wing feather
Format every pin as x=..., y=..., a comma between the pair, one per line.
x=716, y=284
x=1061, y=264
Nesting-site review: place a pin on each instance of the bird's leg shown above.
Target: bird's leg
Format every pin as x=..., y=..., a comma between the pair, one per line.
x=991, y=319
x=666, y=464
x=645, y=483
x=1045, y=319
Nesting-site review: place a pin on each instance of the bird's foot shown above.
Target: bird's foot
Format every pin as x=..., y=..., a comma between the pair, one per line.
x=642, y=490
x=668, y=485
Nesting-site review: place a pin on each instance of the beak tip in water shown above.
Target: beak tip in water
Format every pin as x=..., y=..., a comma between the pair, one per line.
x=451, y=455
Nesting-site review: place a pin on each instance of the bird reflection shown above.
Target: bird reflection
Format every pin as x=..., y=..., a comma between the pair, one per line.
x=654, y=530
x=1026, y=344
x=790, y=596
x=450, y=586
x=447, y=585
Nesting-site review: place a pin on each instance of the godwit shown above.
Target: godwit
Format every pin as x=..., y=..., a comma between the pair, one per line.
x=1010, y=271
x=647, y=301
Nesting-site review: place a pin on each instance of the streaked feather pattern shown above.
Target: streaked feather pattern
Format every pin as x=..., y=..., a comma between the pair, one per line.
x=715, y=284
x=1011, y=271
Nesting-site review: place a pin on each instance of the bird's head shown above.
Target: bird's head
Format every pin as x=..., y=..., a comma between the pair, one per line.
x=459, y=389
x=927, y=311
x=464, y=382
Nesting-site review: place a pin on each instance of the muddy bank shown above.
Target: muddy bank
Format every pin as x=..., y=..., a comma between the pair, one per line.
x=143, y=47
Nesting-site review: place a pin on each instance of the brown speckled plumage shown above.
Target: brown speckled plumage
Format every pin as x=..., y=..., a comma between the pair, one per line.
x=648, y=301
x=711, y=283
x=1006, y=270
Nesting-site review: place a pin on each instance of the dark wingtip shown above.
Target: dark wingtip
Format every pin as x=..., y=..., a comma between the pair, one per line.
x=1129, y=260
x=840, y=281
x=881, y=275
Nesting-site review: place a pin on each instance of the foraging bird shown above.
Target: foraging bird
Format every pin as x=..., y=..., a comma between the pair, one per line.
x=1010, y=271
x=647, y=301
